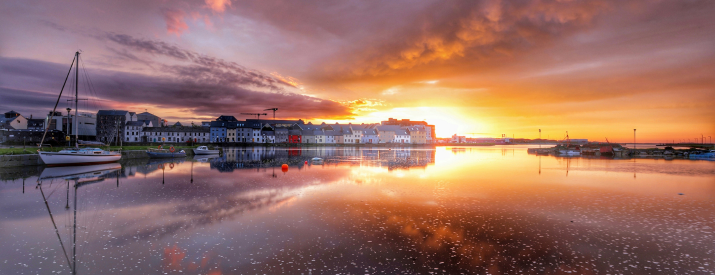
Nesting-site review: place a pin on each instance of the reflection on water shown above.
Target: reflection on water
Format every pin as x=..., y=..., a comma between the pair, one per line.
x=453, y=210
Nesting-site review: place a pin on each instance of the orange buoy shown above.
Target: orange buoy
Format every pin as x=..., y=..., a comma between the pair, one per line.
x=171, y=149
x=159, y=146
x=306, y=162
x=284, y=168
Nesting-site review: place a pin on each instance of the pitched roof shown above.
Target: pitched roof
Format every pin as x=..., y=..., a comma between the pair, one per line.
x=333, y=133
x=11, y=113
x=387, y=127
x=177, y=129
x=218, y=124
x=226, y=118
x=370, y=132
x=401, y=132
x=147, y=114
x=112, y=113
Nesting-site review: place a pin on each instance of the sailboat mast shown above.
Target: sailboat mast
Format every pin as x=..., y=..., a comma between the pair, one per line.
x=76, y=102
x=74, y=231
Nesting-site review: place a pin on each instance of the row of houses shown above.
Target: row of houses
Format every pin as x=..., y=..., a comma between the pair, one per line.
x=227, y=129
x=114, y=126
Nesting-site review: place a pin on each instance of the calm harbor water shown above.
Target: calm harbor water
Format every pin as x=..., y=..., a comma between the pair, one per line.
x=448, y=210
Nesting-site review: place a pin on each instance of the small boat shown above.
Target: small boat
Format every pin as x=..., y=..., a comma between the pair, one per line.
x=79, y=156
x=204, y=150
x=707, y=155
x=165, y=153
x=570, y=152
x=316, y=160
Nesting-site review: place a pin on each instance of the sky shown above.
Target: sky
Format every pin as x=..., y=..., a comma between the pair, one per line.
x=597, y=69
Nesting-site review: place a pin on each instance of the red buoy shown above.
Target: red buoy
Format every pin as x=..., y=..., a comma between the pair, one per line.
x=284, y=168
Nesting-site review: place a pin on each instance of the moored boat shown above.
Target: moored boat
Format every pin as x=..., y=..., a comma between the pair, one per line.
x=165, y=153
x=79, y=156
x=570, y=152
x=204, y=150
x=707, y=155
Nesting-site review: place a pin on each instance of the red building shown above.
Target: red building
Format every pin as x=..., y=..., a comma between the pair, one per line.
x=294, y=136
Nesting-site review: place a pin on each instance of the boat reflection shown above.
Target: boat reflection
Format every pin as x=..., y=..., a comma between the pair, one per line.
x=81, y=176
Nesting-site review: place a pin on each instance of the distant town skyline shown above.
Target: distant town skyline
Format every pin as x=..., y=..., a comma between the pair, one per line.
x=597, y=69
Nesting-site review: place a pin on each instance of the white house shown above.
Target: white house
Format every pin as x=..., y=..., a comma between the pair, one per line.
x=176, y=134
x=401, y=136
x=133, y=130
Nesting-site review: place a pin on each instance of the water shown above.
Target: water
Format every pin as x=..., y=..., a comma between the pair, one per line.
x=472, y=210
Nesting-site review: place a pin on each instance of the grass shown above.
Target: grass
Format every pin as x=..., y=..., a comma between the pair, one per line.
x=18, y=150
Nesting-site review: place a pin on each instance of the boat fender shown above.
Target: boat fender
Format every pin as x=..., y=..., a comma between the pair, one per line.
x=171, y=149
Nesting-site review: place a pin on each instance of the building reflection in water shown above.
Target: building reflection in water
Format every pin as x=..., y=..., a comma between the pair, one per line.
x=262, y=157
x=363, y=210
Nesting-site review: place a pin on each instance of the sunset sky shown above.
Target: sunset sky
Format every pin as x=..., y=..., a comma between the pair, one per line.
x=597, y=69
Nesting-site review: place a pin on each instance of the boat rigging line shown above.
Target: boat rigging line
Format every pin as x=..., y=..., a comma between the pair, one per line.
x=47, y=127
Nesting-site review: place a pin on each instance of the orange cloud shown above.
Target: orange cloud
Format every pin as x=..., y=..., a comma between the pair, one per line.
x=218, y=5
x=175, y=21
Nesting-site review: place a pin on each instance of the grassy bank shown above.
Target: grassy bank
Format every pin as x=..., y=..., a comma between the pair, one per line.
x=33, y=150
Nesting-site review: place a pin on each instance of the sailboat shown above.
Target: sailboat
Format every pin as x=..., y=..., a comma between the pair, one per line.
x=570, y=150
x=75, y=156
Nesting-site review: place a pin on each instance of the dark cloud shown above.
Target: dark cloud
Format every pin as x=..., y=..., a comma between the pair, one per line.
x=446, y=32
x=200, y=89
x=210, y=68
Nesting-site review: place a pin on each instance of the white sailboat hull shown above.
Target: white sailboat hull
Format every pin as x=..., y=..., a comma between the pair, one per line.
x=205, y=152
x=570, y=152
x=58, y=158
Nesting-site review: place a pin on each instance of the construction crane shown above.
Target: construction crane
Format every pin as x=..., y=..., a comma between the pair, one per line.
x=274, y=112
x=258, y=115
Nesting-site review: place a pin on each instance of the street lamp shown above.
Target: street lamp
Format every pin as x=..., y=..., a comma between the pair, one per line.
x=634, y=139
x=68, y=125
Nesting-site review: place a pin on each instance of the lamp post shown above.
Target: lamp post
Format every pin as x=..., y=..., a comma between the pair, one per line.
x=68, y=125
x=634, y=139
